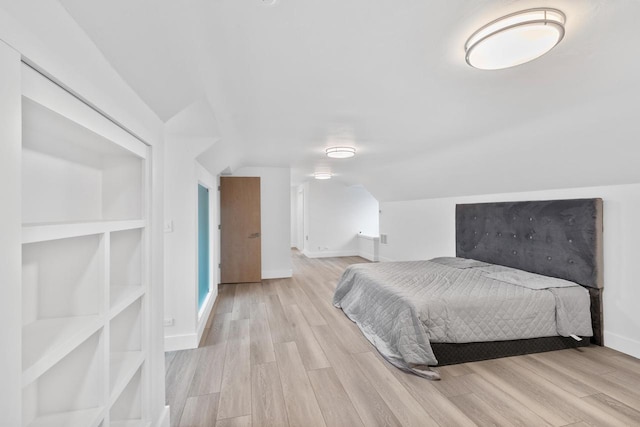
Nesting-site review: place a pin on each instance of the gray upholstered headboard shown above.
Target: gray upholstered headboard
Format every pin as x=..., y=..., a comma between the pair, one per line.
x=557, y=238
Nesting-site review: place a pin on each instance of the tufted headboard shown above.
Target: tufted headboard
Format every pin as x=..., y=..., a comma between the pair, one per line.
x=557, y=238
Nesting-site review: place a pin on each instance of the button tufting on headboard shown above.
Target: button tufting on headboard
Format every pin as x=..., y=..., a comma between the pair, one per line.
x=560, y=238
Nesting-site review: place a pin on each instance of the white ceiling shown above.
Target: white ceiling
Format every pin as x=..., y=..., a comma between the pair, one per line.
x=283, y=82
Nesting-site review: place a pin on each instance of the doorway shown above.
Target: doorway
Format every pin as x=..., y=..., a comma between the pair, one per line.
x=300, y=220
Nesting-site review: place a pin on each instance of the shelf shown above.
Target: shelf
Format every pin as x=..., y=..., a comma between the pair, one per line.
x=83, y=418
x=46, y=342
x=70, y=392
x=33, y=233
x=122, y=297
x=122, y=369
x=70, y=173
x=70, y=116
x=126, y=272
x=125, y=329
x=62, y=278
x=127, y=408
x=130, y=423
x=85, y=186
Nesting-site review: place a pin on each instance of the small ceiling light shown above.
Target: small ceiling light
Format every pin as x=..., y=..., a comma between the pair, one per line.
x=515, y=39
x=322, y=175
x=340, y=152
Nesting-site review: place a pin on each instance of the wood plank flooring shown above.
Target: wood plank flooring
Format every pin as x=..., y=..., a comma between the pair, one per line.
x=279, y=354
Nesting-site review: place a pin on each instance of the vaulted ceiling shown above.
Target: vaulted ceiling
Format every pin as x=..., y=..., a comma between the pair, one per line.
x=282, y=80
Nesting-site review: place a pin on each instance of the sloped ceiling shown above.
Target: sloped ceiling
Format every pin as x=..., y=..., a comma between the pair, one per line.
x=284, y=81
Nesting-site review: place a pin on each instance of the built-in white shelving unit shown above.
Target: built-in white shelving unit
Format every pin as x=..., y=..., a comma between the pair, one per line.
x=85, y=261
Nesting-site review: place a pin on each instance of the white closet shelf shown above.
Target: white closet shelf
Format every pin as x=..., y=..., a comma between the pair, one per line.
x=122, y=297
x=130, y=423
x=123, y=367
x=45, y=342
x=33, y=233
x=82, y=418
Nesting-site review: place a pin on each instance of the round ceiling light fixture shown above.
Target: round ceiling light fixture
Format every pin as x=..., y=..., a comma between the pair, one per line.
x=322, y=175
x=515, y=39
x=340, y=152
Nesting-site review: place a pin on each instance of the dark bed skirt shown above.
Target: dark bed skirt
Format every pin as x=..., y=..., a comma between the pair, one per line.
x=450, y=354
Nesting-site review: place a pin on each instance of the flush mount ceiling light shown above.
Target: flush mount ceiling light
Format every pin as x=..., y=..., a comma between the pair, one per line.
x=322, y=175
x=340, y=152
x=515, y=39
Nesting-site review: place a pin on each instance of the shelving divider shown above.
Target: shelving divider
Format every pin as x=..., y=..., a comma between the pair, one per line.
x=125, y=296
x=105, y=306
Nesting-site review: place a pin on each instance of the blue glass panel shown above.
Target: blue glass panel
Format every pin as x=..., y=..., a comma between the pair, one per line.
x=203, y=244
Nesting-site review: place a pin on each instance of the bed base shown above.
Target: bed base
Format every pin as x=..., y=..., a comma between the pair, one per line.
x=451, y=354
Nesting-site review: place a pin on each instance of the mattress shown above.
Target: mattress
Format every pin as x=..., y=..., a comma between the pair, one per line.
x=401, y=307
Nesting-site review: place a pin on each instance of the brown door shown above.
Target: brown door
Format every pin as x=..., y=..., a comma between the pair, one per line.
x=240, y=241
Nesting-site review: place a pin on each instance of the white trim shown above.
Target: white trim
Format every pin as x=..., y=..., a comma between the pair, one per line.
x=204, y=314
x=165, y=417
x=623, y=344
x=385, y=259
x=180, y=342
x=367, y=237
x=44, y=232
x=329, y=254
x=276, y=274
x=368, y=255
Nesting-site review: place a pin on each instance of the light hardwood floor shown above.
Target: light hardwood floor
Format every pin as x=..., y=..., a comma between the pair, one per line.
x=279, y=354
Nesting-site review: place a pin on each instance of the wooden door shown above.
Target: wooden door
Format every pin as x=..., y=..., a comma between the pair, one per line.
x=240, y=234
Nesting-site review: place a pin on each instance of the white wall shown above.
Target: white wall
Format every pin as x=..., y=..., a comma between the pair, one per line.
x=302, y=217
x=275, y=213
x=334, y=215
x=183, y=174
x=424, y=229
x=10, y=246
x=45, y=35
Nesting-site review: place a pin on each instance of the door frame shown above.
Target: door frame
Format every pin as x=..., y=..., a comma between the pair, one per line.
x=209, y=254
x=205, y=179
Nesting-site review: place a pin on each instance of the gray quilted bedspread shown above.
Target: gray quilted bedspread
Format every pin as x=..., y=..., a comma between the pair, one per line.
x=403, y=306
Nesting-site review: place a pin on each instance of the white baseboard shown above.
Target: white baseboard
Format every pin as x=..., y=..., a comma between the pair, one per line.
x=165, y=417
x=180, y=342
x=276, y=274
x=385, y=259
x=368, y=256
x=622, y=344
x=329, y=254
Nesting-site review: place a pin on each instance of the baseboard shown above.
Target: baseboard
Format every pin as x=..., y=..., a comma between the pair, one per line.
x=329, y=254
x=276, y=274
x=370, y=256
x=385, y=259
x=165, y=418
x=622, y=344
x=180, y=342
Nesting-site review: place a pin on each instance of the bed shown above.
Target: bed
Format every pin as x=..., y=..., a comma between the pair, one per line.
x=527, y=277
